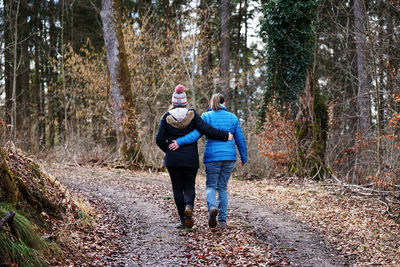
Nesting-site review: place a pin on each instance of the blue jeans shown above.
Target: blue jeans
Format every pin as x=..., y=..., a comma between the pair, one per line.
x=217, y=177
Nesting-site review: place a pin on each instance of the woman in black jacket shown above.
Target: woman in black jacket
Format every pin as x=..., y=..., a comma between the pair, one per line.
x=182, y=164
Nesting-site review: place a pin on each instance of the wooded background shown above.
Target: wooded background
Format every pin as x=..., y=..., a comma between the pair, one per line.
x=315, y=84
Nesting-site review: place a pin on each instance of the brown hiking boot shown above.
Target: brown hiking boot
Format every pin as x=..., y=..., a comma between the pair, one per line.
x=189, y=216
x=212, y=217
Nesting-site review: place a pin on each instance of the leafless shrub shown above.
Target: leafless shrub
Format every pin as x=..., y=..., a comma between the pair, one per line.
x=82, y=151
x=257, y=167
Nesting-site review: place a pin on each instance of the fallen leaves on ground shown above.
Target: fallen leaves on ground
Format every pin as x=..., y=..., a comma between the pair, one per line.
x=202, y=246
x=357, y=225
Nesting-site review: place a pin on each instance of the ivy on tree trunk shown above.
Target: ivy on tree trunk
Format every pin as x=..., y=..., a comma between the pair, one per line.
x=288, y=31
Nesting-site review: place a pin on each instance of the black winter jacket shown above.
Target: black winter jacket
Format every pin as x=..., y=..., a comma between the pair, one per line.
x=171, y=129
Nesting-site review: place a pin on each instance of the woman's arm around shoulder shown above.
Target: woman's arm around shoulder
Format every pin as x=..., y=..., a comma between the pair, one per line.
x=211, y=132
x=190, y=138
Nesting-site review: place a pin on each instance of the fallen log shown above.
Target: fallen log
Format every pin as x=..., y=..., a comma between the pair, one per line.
x=7, y=219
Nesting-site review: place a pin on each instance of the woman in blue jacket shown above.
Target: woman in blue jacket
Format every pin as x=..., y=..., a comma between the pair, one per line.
x=183, y=164
x=219, y=157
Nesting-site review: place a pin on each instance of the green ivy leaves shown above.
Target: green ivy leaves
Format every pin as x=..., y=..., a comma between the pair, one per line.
x=288, y=33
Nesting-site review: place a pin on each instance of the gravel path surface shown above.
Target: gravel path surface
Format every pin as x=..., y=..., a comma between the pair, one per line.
x=144, y=205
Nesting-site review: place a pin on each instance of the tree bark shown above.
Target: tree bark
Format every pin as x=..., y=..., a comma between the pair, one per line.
x=205, y=48
x=23, y=90
x=53, y=104
x=56, y=97
x=363, y=92
x=62, y=115
x=120, y=83
x=8, y=74
x=8, y=185
x=40, y=131
x=14, y=88
x=311, y=127
x=235, y=100
x=24, y=112
x=38, y=92
x=351, y=84
x=246, y=62
x=225, y=39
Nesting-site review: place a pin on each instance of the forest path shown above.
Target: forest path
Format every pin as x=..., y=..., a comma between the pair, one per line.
x=257, y=235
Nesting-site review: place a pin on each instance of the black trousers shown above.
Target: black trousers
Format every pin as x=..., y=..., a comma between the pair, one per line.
x=183, y=182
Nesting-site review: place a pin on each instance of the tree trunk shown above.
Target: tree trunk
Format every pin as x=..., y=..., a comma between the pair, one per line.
x=40, y=131
x=246, y=63
x=63, y=114
x=205, y=48
x=37, y=88
x=14, y=87
x=25, y=110
x=311, y=128
x=53, y=99
x=393, y=51
x=8, y=186
x=120, y=83
x=23, y=92
x=363, y=92
x=235, y=101
x=225, y=38
x=8, y=73
x=352, y=84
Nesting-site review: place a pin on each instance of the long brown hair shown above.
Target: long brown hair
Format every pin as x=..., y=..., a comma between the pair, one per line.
x=216, y=101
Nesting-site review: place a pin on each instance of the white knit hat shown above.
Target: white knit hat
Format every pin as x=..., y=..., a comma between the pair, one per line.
x=179, y=97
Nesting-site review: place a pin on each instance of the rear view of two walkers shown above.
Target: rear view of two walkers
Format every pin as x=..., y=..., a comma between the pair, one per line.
x=177, y=136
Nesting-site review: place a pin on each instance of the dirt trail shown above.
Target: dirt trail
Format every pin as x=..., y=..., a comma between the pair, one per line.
x=302, y=246
x=144, y=205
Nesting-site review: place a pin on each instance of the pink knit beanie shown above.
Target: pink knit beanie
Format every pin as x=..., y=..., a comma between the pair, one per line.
x=179, y=97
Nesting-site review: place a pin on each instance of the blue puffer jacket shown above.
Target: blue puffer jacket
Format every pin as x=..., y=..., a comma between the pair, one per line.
x=216, y=150
x=177, y=123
